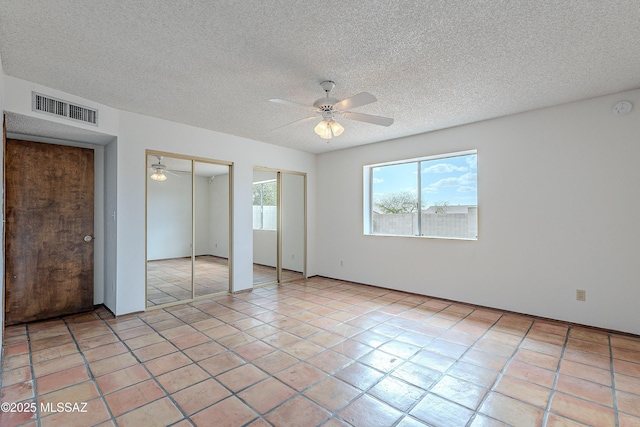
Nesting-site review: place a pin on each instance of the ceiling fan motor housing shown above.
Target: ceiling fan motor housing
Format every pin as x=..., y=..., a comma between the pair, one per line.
x=325, y=104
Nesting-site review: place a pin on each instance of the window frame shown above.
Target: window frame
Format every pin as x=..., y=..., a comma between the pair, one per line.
x=368, y=189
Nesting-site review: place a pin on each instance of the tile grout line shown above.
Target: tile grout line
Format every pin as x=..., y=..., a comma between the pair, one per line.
x=444, y=373
x=556, y=378
x=33, y=376
x=216, y=268
x=501, y=373
x=362, y=392
x=151, y=375
x=89, y=371
x=178, y=350
x=406, y=413
x=233, y=394
x=616, y=413
x=300, y=393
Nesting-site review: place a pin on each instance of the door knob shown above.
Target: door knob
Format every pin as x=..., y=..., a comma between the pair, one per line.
x=88, y=238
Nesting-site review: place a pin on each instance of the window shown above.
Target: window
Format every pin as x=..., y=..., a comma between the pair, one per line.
x=433, y=197
x=265, y=201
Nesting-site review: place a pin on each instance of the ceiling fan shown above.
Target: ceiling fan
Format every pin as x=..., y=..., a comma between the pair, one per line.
x=159, y=171
x=328, y=108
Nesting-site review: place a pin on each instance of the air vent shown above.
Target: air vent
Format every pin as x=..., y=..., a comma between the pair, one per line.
x=57, y=107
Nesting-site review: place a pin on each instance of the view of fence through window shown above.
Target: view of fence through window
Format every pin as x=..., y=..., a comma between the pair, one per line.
x=433, y=197
x=265, y=200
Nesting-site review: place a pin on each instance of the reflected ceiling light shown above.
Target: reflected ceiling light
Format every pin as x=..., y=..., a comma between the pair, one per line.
x=158, y=170
x=328, y=129
x=158, y=175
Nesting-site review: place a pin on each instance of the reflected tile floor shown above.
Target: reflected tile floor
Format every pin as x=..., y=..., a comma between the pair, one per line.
x=169, y=280
x=320, y=352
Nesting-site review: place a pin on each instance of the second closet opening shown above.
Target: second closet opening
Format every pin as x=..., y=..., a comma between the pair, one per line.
x=279, y=226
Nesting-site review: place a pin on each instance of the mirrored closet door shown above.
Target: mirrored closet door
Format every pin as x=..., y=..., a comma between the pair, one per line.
x=265, y=226
x=211, y=231
x=279, y=226
x=188, y=228
x=293, y=228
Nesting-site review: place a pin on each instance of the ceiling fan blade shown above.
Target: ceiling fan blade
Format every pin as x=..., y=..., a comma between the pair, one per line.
x=358, y=100
x=293, y=104
x=306, y=119
x=369, y=118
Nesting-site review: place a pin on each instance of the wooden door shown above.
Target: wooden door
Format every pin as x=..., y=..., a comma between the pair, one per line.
x=49, y=211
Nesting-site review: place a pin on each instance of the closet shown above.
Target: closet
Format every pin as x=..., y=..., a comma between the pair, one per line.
x=279, y=226
x=188, y=230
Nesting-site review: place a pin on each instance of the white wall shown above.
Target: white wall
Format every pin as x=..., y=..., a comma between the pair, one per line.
x=169, y=218
x=293, y=222
x=265, y=247
x=110, y=221
x=17, y=94
x=219, y=223
x=558, y=201
x=203, y=214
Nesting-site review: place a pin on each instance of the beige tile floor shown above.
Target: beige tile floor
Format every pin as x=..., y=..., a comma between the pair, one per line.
x=321, y=352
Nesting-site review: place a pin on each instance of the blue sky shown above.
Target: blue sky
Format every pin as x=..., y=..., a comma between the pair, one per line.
x=451, y=179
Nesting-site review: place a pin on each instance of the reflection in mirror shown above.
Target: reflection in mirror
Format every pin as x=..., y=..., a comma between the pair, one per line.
x=169, y=225
x=211, y=267
x=293, y=226
x=265, y=220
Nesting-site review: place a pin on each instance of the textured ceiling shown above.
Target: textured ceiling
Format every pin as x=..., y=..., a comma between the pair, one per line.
x=431, y=64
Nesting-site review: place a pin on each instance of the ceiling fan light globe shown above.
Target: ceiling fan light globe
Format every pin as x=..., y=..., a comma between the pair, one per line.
x=323, y=130
x=336, y=128
x=158, y=176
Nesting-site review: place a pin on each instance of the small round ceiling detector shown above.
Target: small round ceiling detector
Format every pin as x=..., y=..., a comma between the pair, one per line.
x=622, y=108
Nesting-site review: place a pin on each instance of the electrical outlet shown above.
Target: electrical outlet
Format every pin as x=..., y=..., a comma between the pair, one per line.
x=341, y=263
x=293, y=256
x=581, y=295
